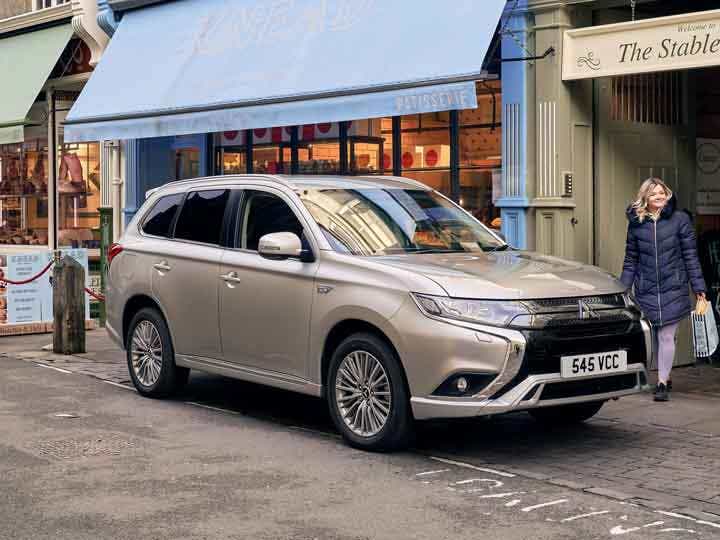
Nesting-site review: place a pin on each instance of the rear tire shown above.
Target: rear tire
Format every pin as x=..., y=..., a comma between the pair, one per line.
x=151, y=357
x=367, y=395
x=575, y=413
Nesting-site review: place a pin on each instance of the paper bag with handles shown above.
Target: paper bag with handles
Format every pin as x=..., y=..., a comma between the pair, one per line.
x=705, y=332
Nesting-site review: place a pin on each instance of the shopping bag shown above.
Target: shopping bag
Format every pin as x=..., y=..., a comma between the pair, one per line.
x=705, y=332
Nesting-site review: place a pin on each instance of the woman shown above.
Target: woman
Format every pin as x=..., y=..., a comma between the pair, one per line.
x=660, y=261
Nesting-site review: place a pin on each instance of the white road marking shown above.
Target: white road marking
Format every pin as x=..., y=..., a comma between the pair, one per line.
x=618, y=530
x=497, y=484
x=61, y=370
x=210, y=407
x=581, y=516
x=514, y=502
x=123, y=386
x=690, y=531
x=66, y=415
x=543, y=505
x=503, y=495
x=688, y=518
x=473, y=467
x=428, y=473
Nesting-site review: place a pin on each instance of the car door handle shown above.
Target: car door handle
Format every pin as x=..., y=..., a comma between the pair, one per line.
x=162, y=266
x=231, y=277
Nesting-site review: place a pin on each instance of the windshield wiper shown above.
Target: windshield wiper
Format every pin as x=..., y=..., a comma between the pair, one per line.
x=503, y=247
x=436, y=250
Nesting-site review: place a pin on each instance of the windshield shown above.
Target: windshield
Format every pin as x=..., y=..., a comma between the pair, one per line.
x=390, y=221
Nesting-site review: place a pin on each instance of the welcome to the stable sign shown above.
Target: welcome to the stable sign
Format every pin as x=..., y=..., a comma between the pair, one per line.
x=666, y=43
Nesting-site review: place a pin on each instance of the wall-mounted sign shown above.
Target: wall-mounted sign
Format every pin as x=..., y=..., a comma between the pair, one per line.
x=685, y=41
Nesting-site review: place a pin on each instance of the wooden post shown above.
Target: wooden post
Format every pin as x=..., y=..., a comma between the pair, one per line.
x=69, y=307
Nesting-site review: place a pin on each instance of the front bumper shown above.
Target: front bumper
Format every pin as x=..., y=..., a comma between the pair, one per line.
x=519, y=385
x=534, y=392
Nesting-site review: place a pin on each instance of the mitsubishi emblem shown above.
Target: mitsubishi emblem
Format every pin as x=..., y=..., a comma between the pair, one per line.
x=585, y=312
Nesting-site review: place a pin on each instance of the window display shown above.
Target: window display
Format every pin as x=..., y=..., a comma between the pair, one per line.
x=79, y=195
x=23, y=193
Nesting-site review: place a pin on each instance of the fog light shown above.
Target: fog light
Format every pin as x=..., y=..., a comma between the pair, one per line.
x=461, y=384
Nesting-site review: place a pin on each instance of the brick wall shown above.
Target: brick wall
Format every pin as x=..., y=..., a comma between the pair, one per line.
x=10, y=8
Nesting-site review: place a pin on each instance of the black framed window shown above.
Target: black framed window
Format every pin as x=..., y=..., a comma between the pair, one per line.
x=160, y=217
x=201, y=217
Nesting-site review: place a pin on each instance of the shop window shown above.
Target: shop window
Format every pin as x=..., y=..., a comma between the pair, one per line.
x=365, y=157
x=426, y=150
x=267, y=159
x=79, y=195
x=187, y=163
x=23, y=193
x=650, y=98
x=234, y=161
x=319, y=158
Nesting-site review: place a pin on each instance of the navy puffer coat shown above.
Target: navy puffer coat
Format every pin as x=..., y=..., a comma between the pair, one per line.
x=660, y=261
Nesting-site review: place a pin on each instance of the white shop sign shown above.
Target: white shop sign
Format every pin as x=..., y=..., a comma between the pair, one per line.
x=662, y=44
x=33, y=302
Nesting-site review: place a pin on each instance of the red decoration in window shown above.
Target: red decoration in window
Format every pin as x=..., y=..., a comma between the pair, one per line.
x=276, y=134
x=231, y=135
x=363, y=161
x=407, y=160
x=308, y=132
x=324, y=127
x=431, y=158
x=260, y=132
x=387, y=161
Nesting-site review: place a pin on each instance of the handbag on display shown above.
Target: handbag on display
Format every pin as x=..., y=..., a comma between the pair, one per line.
x=704, y=329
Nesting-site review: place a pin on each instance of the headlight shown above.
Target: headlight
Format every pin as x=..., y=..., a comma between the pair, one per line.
x=492, y=312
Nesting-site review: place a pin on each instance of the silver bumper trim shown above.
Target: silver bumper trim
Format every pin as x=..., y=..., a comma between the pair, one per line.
x=426, y=408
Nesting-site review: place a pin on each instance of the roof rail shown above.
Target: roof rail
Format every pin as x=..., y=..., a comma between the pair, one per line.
x=403, y=180
x=174, y=183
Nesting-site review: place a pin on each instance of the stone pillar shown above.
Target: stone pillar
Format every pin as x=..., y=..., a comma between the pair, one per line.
x=561, y=140
x=518, y=98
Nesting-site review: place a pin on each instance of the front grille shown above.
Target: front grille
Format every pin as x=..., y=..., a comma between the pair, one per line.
x=605, y=301
x=589, y=387
x=545, y=347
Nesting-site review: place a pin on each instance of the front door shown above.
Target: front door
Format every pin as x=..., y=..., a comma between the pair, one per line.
x=265, y=304
x=641, y=132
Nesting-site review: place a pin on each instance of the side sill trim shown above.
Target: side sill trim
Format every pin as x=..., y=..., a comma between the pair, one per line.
x=245, y=373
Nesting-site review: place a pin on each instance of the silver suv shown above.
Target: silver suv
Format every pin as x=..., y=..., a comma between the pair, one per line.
x=378, y=294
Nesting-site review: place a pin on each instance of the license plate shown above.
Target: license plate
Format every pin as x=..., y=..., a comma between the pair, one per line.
x=581, y=365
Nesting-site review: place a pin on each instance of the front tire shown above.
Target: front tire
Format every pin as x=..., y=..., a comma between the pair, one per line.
x=151, y=357
x=559, y=415
x=367, y=395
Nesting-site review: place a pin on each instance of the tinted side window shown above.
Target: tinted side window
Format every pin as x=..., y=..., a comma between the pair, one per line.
x=202, y=215
x=264, y=214
x=160, y=217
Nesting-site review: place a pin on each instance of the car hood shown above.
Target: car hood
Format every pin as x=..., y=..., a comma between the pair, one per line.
x=507, y=275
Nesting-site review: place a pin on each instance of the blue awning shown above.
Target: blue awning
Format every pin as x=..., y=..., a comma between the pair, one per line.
x=198, y=66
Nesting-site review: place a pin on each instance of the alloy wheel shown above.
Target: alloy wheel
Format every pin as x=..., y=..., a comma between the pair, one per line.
x=146, y=353
x=363, y=394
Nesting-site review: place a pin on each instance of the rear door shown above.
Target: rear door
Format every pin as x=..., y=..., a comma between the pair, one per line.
x=265, y=304
x=185, y=274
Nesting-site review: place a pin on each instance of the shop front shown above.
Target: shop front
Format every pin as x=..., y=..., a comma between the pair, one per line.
x=50, y=189
x=656, y=82
x=309, y=89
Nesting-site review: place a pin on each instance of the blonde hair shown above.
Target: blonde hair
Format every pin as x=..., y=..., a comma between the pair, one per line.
x=646, y=189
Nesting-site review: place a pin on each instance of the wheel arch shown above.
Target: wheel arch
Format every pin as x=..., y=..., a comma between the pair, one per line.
x=135, y=304
x=346, y=328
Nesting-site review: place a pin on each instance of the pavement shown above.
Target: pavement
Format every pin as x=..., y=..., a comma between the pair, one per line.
x=635, y=454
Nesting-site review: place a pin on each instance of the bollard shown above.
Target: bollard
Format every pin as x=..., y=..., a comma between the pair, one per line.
x=69, y=307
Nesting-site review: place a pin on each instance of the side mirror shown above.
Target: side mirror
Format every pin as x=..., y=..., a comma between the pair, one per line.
x=283, y=245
